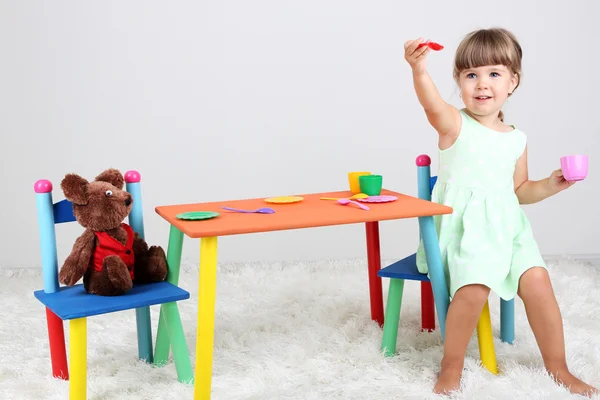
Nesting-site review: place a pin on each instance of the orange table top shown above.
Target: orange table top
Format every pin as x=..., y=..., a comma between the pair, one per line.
x=309, y=213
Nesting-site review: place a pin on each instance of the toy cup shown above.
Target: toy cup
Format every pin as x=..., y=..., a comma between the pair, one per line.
x=574, y=168
x=370, y=184
x=353, y=180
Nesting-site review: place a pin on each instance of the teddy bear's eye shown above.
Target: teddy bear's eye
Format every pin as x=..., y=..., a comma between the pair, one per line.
x=108, y=193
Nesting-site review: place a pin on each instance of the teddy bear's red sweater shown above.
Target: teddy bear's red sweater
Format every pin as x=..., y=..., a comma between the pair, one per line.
x=109, y=246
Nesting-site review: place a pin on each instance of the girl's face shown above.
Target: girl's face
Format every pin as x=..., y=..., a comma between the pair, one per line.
x=485, y=89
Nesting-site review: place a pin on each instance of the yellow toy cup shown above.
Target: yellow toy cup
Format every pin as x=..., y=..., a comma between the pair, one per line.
x=353, y=180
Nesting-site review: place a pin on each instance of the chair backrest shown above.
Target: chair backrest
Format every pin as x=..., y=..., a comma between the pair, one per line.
x=49, y=214
x=425, y=181
x=432, y=182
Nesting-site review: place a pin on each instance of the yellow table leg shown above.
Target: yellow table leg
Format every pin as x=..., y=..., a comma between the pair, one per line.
x=207, y=290
x=486, y=340
x=78, y=359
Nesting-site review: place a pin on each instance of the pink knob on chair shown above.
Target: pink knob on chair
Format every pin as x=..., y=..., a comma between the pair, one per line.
x=132, y=176
x=43, y=186
x=423, y=160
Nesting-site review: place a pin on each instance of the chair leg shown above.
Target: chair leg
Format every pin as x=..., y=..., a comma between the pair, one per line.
x=58, y=351
x=436, y=270
x=507, y=320
x=78, y=356
x=427, y=307
x=486, y=340
x=144, y=334
x=392, y=317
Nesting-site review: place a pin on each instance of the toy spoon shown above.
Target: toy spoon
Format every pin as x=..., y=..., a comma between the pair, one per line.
x=348, y=201
x=264, y=210
x=432, y=45
x=356, y=196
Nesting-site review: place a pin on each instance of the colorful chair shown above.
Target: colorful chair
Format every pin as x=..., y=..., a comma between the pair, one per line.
x=75, y=304
x=436, y=290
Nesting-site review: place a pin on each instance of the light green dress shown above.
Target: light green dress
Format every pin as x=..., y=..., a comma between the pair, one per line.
x=487, y=239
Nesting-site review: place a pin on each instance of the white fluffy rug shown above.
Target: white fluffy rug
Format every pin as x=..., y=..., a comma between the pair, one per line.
x=296, y=331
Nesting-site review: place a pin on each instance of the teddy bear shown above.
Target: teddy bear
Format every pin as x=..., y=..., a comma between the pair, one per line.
x=109, y=255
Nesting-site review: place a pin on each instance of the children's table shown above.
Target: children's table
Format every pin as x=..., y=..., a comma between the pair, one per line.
x=311, y=212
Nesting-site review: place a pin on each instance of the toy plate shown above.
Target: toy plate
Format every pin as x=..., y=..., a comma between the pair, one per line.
x=197, y=215
x=284, y=199
x=378, y=199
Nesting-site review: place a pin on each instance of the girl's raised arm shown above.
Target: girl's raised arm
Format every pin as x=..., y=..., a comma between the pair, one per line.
x=444, y=117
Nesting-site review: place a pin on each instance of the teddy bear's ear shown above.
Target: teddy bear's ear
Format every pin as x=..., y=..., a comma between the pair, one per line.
x=75, y=189
x=113, y=177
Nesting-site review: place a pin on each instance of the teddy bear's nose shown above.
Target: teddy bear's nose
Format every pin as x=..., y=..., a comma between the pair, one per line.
x=128, y=201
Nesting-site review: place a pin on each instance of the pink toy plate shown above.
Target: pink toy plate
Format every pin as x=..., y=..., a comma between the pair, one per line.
x=378, y=199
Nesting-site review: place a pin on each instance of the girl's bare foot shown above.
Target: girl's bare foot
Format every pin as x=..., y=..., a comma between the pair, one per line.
x=448, y=381
x=574, y=384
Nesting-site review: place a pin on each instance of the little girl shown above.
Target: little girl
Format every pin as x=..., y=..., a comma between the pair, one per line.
x=487, y=242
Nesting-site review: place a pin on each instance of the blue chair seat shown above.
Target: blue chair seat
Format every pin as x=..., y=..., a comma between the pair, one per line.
x=71, y=302
x=404, y=269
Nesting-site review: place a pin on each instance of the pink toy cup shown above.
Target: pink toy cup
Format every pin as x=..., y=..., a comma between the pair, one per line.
x=574, y=168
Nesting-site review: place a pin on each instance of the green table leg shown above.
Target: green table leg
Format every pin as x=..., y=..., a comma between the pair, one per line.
x=161, y=352
x=392, y=317
x=181, y=354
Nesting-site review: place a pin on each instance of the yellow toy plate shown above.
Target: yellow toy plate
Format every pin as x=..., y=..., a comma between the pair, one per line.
x=284, y=199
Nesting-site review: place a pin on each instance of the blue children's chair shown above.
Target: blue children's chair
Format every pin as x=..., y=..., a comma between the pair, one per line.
x=436, y=287
x=75, y=304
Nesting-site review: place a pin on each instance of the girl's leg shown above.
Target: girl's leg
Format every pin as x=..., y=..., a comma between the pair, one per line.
x=535, y=289
x=463, y=314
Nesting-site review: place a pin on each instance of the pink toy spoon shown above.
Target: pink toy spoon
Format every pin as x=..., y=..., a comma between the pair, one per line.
x=348, y=201
x=264, y=210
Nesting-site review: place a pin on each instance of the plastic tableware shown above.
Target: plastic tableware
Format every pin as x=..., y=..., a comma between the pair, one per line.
x=284, y=199
x=379, y=199
x=197, y=215
x=432, y=45
x=371, y=184
x=574, y=168
x=353, y=180
x=347, y=201
x=264, y=210
x=356, y=196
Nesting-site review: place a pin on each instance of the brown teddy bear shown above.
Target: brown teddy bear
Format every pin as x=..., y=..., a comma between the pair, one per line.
x=108, y=255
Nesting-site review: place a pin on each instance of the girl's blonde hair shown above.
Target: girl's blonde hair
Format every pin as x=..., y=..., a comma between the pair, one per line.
x=494, y=46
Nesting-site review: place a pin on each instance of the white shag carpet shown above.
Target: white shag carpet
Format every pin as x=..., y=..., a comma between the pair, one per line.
x=296, y=331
